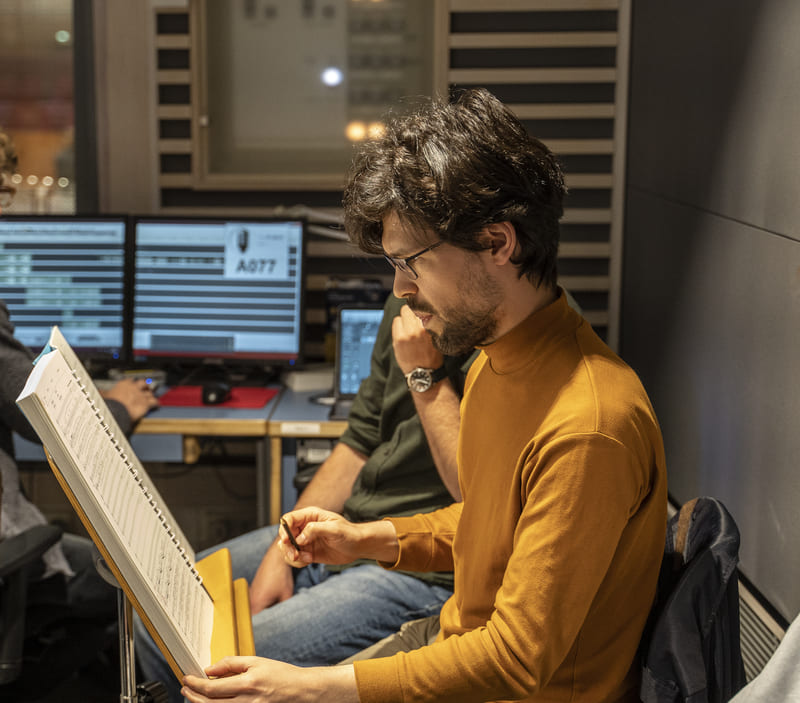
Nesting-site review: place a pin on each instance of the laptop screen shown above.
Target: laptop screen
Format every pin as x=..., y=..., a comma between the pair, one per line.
x=355, y=337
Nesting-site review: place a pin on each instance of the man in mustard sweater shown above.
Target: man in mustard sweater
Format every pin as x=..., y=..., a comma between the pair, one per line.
x=557, y=544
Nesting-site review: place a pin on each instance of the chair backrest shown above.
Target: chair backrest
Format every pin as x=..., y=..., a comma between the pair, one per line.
x=691, y=651
x=16, y=556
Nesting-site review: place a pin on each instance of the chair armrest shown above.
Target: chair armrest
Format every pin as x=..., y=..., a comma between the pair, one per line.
x=21, y=549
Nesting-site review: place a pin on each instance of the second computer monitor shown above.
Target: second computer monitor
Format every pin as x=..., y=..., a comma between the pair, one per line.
x=218, y=289
x=66, y=271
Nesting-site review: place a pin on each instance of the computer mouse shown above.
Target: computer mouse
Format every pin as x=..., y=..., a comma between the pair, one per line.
x=215, y=392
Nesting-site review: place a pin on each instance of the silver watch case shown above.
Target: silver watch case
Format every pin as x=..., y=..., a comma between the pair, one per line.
x=421, y=379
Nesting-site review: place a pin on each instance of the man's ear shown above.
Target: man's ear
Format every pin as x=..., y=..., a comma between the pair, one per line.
x=501, y=239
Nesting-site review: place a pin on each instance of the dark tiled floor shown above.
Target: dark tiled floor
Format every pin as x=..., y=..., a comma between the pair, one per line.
x=82, y=689
x=97, y=682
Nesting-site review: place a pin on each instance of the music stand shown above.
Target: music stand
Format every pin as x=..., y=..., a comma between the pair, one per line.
x=148, y=692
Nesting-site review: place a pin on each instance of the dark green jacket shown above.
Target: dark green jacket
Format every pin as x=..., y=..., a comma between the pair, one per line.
x=399, y=477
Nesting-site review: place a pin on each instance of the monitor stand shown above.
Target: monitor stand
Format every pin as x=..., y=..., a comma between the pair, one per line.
x=217, y=371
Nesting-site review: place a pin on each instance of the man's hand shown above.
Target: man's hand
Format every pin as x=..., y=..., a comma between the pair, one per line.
x=438, y=407
x=135, y=395
x=249, y=679
x=327, y=538
x=412, y=345
x=273, y=582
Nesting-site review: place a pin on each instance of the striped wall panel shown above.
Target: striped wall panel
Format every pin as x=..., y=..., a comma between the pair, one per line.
x=562, y=67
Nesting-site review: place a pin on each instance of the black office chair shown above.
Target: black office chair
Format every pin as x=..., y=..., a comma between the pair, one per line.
x=43, y=642
x=17, y=555
x=691, y=651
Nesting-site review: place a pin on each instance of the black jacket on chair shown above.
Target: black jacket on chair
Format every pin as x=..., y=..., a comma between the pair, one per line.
x=691, y=651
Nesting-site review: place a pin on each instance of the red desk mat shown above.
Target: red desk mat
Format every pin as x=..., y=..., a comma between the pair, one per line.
x=241, y=397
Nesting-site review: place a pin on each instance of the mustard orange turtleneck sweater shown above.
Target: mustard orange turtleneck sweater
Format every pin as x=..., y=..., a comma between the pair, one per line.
x=557, y=544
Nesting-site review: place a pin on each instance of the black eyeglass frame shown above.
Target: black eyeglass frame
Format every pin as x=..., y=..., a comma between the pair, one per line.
x=403, y=264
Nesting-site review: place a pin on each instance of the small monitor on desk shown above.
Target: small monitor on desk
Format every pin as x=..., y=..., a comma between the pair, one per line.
x=357, y=329
x=218, y=289
x=66, y=271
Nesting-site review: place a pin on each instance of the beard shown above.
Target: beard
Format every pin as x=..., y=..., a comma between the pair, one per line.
x=473, y=323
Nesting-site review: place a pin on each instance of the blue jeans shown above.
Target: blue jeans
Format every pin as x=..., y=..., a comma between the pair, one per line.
x=331, y=616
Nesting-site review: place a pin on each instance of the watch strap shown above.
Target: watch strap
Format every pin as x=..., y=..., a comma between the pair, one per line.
x=438, y=374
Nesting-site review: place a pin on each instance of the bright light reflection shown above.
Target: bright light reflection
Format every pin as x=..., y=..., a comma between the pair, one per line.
x=62, y=36
x=332, y=76
x=356, y=131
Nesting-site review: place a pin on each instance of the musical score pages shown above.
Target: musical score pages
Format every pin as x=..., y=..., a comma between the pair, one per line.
x=119, y=505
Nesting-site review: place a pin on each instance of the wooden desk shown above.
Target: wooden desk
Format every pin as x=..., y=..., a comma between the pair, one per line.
x=294, y=416
x=178, y=429
x=191, y=423
x=215, y=421
x=289, y=415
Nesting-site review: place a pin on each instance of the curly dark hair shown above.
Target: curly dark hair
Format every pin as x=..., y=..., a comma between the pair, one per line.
x=8, y=155
x=452, y=168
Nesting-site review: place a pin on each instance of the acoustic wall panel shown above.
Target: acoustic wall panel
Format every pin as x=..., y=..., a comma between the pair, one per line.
x=711, y=284
x=560, y=64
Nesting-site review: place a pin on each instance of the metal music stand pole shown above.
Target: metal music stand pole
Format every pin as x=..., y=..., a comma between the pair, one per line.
x=127, y=663
x=149, y=692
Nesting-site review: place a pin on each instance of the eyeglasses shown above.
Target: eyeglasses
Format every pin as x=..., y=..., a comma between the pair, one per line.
x=404, y=264
x=7, y=194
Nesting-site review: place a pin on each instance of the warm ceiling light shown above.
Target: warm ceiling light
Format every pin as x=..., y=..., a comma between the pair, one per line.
x=356, y=131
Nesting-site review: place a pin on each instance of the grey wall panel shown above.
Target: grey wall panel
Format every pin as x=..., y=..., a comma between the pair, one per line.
x=711, y=321
x=711, y=274
x=715, y=107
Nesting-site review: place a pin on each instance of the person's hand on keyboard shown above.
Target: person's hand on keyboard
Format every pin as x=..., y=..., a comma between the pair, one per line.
x=135, y=394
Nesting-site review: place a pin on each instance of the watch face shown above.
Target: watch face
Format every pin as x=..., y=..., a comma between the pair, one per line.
x=419, y=380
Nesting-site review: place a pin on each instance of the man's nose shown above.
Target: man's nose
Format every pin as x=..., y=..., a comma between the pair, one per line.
x=403, y=285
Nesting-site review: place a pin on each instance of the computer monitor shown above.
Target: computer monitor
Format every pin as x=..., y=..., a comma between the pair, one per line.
x=355, y=339
x=356, y=332
x=218, y=289
x=66, y=271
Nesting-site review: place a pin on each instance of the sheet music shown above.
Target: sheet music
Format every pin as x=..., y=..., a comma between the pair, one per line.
x=57, y=341
x=122, y=499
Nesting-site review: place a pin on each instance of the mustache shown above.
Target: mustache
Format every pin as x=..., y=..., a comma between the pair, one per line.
x=417, y=307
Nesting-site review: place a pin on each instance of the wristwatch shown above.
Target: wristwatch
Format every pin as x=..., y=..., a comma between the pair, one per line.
x=421, y=379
